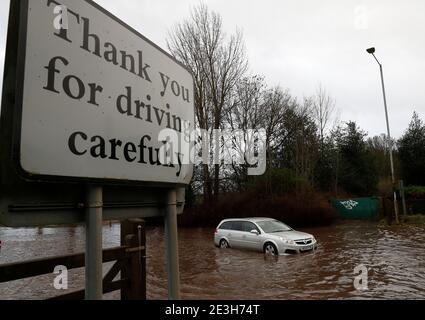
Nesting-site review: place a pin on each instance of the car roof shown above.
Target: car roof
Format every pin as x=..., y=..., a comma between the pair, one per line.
x=257, y=219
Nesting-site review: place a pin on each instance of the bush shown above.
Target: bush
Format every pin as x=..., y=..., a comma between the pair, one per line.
x=385, y=187
x=415, y=192
x=417, y=219
x=278, y=181
x=273, y=181
x=297, y=211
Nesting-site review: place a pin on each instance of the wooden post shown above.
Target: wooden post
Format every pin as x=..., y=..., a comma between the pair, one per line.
x=403, y=198
x=133, y=234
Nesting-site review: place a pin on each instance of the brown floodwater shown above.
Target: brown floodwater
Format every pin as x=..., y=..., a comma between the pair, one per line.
x=394, y=258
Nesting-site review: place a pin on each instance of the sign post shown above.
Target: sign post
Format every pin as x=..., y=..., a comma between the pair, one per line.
x=172, y=246
x=94, y=249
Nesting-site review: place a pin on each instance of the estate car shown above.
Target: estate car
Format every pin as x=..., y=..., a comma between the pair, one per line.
x=262, y=234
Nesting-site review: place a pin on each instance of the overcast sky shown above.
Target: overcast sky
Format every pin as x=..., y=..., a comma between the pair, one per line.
x=299, y=44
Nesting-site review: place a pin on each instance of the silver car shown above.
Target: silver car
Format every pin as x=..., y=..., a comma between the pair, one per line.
x=262, y=234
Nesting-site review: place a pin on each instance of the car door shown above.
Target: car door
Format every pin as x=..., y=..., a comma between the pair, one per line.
x=251, y=240
x=235, y=235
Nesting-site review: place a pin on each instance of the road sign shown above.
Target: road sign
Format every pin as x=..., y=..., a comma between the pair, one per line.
x=88, y=100
x=93, y=97
x=75, y=111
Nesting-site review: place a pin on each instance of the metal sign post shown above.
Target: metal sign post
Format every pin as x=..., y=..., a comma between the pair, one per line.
x=93, y=257
x=171, y=242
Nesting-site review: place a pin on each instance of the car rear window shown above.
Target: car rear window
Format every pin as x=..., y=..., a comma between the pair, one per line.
x=232, y=225
x=226, y=226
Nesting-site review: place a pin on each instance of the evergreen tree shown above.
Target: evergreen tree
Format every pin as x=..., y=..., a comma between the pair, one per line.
x=412, y=152
x=357, y=167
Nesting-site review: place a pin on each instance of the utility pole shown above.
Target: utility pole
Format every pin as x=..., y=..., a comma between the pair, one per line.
x=390, y=141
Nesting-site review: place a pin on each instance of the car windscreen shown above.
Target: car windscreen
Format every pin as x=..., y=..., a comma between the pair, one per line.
x=273, y=226
x=249, y=226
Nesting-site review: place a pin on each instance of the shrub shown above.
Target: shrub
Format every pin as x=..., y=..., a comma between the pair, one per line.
x=297, y=211
x=415, y=192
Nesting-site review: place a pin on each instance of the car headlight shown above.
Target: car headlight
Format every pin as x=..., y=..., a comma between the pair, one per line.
x=287, y=241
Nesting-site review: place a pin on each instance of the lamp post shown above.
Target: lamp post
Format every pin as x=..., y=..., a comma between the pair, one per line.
x=390, y=142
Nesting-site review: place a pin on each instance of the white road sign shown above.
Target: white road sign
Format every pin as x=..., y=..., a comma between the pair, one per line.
x=95, y=96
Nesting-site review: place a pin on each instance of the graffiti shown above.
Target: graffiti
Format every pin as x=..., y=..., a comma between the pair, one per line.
x=350, y=204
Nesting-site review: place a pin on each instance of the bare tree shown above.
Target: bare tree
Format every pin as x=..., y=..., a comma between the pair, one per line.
x=276, y=104
x=323, y=107
x=217, y=63
x=244, y=113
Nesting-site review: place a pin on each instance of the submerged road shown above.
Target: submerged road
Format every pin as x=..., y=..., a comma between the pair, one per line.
x=394, y=258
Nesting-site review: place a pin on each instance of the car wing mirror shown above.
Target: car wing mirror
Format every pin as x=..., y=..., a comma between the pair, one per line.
x=255, y=232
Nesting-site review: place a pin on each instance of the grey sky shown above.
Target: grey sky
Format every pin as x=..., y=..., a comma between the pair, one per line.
x=302, y=43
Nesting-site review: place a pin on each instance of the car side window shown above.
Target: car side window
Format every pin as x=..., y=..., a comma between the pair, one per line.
x=249, y=226
x=226, y=226
x=237, y=226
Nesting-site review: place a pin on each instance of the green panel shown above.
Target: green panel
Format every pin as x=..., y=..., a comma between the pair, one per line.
x=357, y=208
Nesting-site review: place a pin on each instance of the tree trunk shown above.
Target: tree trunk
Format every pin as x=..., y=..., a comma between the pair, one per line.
x=216, y=181
x=207, y=184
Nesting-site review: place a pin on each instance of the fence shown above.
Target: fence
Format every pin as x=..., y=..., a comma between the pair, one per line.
x=130, y=261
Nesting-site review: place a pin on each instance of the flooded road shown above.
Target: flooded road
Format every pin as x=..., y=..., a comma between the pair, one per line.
x=394, y=258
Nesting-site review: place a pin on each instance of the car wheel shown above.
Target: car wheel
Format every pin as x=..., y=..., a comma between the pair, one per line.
x=270, y=249
x=224, y=244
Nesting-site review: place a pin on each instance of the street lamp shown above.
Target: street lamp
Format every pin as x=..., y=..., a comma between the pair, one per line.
x=390, y=142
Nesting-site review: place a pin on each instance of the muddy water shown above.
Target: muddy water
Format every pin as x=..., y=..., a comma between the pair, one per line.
x=394, y=258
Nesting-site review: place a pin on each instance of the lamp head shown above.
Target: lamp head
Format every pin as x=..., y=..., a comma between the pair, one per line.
x=371, y=50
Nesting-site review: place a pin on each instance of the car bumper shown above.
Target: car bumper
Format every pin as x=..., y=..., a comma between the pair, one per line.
x=287, y=248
